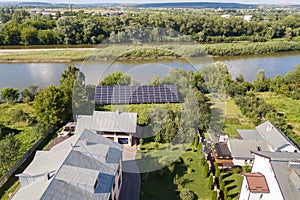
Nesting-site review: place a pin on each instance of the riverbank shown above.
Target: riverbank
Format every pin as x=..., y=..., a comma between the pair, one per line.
x=145, y=51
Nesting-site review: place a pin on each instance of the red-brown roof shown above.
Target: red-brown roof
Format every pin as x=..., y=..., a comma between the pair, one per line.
x=257, y=183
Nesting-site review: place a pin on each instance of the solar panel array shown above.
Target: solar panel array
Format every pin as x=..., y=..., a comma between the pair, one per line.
x=107, y=95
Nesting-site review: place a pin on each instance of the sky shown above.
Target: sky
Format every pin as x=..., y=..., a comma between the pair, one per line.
x=163, y=1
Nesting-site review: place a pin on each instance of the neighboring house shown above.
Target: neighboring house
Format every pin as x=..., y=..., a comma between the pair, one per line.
x=222, y=155
x=275, y=139
x=85, y=166
x=117, y=126
x=241, y=150
x=274, y=175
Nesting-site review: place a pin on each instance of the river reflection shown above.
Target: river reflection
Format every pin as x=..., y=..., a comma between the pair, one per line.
x=21, y=75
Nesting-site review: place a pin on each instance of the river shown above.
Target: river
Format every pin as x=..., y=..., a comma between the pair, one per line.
x=21, y=75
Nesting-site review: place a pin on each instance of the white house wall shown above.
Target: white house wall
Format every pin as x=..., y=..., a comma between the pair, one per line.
x=262, y=165
x=241, y=162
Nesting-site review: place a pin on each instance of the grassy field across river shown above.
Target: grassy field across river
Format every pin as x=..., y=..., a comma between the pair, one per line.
x=142, y=51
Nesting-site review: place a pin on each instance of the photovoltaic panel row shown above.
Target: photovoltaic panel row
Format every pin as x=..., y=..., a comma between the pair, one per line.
x=136, y=94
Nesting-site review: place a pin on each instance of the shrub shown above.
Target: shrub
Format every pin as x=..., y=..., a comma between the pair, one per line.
x=222, y=185
x=236, y=170
x=179, y=160
x=217, y=170
x=225, y=193
x=189, y=170
x=205, y=170
x=156, y=146
x=145, y=176
x=187, y=195
x=202, y=160
x=247, y=168
x=209, y=183
x=161, y=172
x=171, y=167
x=189, y=159
x=214, y=195
x=178, y=180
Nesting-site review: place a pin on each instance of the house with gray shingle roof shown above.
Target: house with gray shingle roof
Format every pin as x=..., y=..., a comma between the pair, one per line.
x=117, y=126
x=275, y=139
x=241, y=150
x=85, y=166
x=274, y=175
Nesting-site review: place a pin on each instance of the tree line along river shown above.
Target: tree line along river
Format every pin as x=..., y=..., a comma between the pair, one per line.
x=22, y=75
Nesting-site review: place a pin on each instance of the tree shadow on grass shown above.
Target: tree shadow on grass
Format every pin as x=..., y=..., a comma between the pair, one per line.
x=227, y=182
x=224, y=176
x=186, y=181
x=231, y=187
x=234, y=195
x=4, y=130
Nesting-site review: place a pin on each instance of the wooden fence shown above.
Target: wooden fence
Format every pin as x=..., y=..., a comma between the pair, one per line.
x=14, y=168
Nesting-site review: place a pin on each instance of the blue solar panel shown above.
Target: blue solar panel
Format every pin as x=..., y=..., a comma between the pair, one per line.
x=136, y=94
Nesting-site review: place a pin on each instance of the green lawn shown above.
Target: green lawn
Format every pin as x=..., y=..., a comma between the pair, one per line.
x=234, y=119
x=233, y=183
x=287, y=106
x=161, y=186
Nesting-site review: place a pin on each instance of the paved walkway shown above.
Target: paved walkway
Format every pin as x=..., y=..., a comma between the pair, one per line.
x=131, y=177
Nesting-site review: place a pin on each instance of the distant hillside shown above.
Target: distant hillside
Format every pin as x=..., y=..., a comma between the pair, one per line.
x=51, y=5
x=195, y=5
x=215, y=5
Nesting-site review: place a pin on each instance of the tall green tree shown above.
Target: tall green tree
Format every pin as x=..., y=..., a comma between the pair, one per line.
x=9, y=147
x=30, y=93
x=51, y=106
x=10, y=95
x=116, y=78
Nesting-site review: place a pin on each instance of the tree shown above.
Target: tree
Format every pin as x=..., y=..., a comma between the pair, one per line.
x=240, y=78
x=69, y=77
x=29, y=36
x=70, y=30
x=18, y=115
x=19, y=16
x=260, y=82
x=9, y=147
x=51, y=106
x=11, y=34
x=10, y=95
x=259, y=76
x=187, y=195
x=116, y=78
x=30, y=93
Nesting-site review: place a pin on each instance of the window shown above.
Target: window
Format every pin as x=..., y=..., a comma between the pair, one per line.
x=258, y=148
x=95, y=185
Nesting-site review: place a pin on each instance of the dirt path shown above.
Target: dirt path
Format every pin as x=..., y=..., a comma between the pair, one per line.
x=9, y=51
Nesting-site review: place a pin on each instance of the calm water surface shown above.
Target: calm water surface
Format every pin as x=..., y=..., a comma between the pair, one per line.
x=21, y=75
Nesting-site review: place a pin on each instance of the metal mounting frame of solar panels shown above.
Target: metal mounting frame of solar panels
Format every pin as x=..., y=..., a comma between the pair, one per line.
x=108, y=95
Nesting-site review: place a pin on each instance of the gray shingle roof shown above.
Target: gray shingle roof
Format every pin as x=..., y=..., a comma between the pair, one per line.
x=286, y=174
x=249, y=134
x=108, y=122
x=90, y=157
x=274, y=137
x=114, y=122
x=241, y=149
